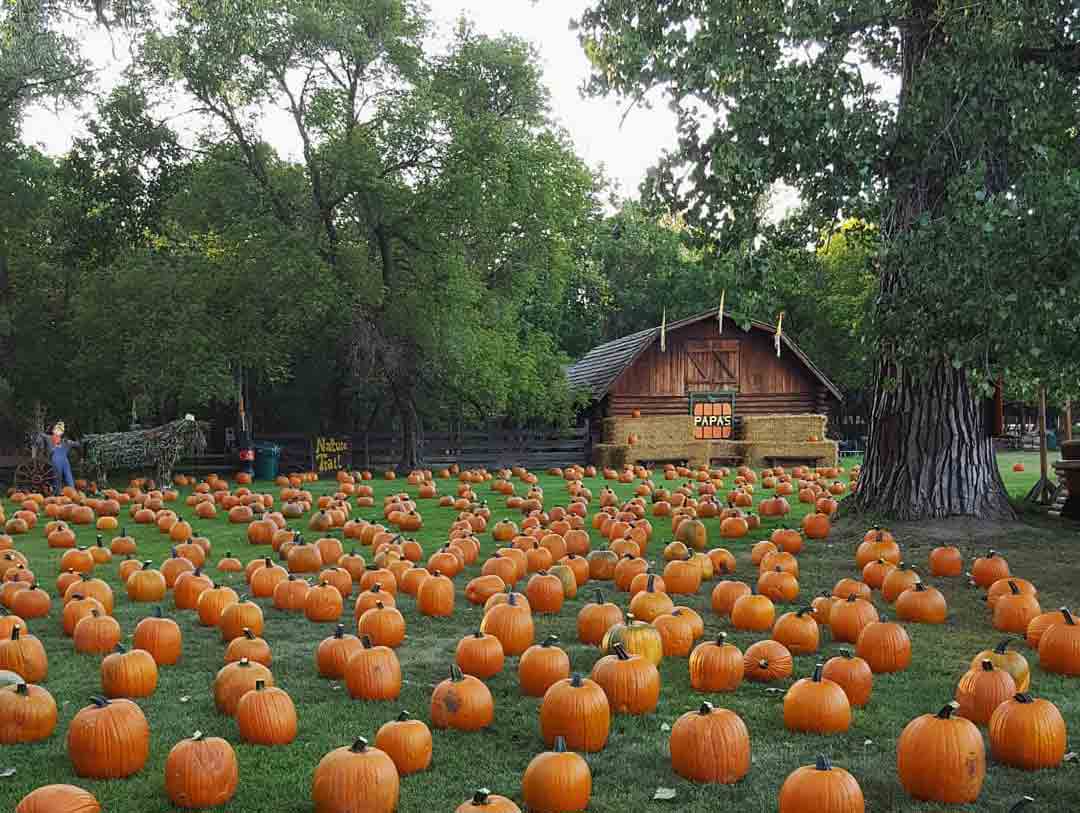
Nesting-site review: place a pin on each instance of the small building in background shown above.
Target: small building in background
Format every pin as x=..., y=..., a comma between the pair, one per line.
x=707, y=398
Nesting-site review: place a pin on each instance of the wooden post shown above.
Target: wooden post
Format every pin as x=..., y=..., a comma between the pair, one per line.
x=1068, y=421
x=1044, y=463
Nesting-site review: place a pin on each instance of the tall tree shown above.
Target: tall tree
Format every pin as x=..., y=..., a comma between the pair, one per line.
x=983, y=128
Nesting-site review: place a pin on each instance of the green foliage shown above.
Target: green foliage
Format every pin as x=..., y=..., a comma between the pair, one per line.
x=970, y=173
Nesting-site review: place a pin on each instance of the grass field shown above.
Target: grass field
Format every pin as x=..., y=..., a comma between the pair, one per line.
x=636, y=761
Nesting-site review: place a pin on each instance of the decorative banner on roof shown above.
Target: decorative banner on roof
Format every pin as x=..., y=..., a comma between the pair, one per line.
x=779, y=333
x=720, y=315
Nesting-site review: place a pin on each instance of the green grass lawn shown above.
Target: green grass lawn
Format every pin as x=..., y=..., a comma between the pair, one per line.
x=636, y=761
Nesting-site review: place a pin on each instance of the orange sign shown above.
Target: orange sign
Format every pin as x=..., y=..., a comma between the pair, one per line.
x=712, y=421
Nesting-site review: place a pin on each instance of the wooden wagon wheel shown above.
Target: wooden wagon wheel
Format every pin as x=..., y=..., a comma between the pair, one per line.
x=36, y=475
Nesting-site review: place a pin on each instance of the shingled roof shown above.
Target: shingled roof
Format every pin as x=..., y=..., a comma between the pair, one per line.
x=597, y=370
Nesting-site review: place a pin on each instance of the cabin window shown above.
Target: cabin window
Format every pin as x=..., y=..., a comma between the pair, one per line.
x=714, y=415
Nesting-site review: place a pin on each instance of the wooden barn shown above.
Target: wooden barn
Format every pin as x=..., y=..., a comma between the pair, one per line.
x=707, y=397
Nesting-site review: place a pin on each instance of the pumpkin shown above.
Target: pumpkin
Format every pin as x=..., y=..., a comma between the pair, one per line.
x=407, y=742
x=637, y=638
x=265, y=578
x=146, y=584
x=817, y=705
x=541, y=666
x=109, y=739
x=240, y=616
x=236, y=679
x=941, y=758
x=32, y=602
x=373, y=672
x=1027, y=733
x=847, y=619
x=766, y=661
x=291, y=593
x=725, y=594
x=899, y=579
x=798, y=631
x=480, y=655
x=710, y=745
x=922, y=604
x=946, y=561
x=1014, y=610
x=333, y=653
x=885, y=646
x=201, y=772
x=324, y=602
x=753, y=613
x=189, y=586
x=545, y=593
x=1010, y=660
x=875, y=572
x=346, y=775
x=1059, y=647
x=212, y=603
x=27, y=713
x=577, y=709
x=630, y=681
x=677, y=632
x=512, y=623
x=651, y=602
x=484, y=801
x=981, y=690
x=24, y=655
x=249, y=646
x=128, y=674
x=436, y=596
x=596, y=618
x=96, y=633
x=59, y=799
x=557, y=781
x=384, y=624
x=821, y=788
x=988, y=569
x=716, y=666
x=462, y=702
x=482, y=588
x=778, y=585
x=1035, y=630
x=266, y=715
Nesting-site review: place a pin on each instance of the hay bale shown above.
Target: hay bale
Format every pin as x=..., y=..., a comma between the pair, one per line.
x=783, y=428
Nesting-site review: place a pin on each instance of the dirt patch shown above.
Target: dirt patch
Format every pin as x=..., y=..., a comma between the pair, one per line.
x=960, y=531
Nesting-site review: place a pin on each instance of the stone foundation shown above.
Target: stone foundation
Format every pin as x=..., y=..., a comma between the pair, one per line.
x=670, y=438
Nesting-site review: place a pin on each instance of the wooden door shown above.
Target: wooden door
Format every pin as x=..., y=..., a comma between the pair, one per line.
x=713, y=365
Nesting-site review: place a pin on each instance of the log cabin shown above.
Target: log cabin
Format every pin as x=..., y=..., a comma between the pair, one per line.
x=707, y=398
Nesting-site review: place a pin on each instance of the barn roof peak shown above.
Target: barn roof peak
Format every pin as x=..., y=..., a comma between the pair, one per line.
x=598, y=369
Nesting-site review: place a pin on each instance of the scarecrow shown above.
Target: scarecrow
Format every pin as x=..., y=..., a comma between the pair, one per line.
x=58, y=448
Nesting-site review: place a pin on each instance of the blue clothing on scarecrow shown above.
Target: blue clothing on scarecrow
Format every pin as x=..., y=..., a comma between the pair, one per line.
x=58, y=447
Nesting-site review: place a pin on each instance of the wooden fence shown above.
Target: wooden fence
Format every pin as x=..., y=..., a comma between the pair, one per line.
x=379, y=450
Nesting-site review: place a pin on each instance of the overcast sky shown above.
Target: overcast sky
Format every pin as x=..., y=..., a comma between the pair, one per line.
x=626, y=151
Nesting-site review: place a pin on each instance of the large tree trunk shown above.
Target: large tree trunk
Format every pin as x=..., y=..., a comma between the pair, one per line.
x=930, y=454
x=411, y=457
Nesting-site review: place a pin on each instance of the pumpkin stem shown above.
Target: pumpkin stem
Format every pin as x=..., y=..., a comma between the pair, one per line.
x=15, y=633
x=575, y=680
x=455, y=673
x=947, y=710
x=599, y=597
x=119, y=648
x=846, y=653
x=1068, y=617
x=260, y=685
x=1021, y=804
x=1023, y=697
x=339, y=631
x=817, y=672
x=22, y=689
x=705, y=708
x=620, y=651
x=403, y=716
x=763, y=663
x=511, y=599
x=804, y=611
x=380, y=605
x=359, y=746
x=481, y=797
x=560, y=746
x=920, y=587
x=1002, y=646
x=851, y=598
x=1013, y=588
x=987, y=665
x=823, y=763
x=551, y=640
x=99, y=701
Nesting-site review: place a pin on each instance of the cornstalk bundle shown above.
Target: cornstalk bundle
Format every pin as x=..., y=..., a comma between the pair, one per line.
x=159, y=447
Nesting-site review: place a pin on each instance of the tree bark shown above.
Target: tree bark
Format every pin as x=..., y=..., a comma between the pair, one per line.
x=411, y=457
x=930, y=455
